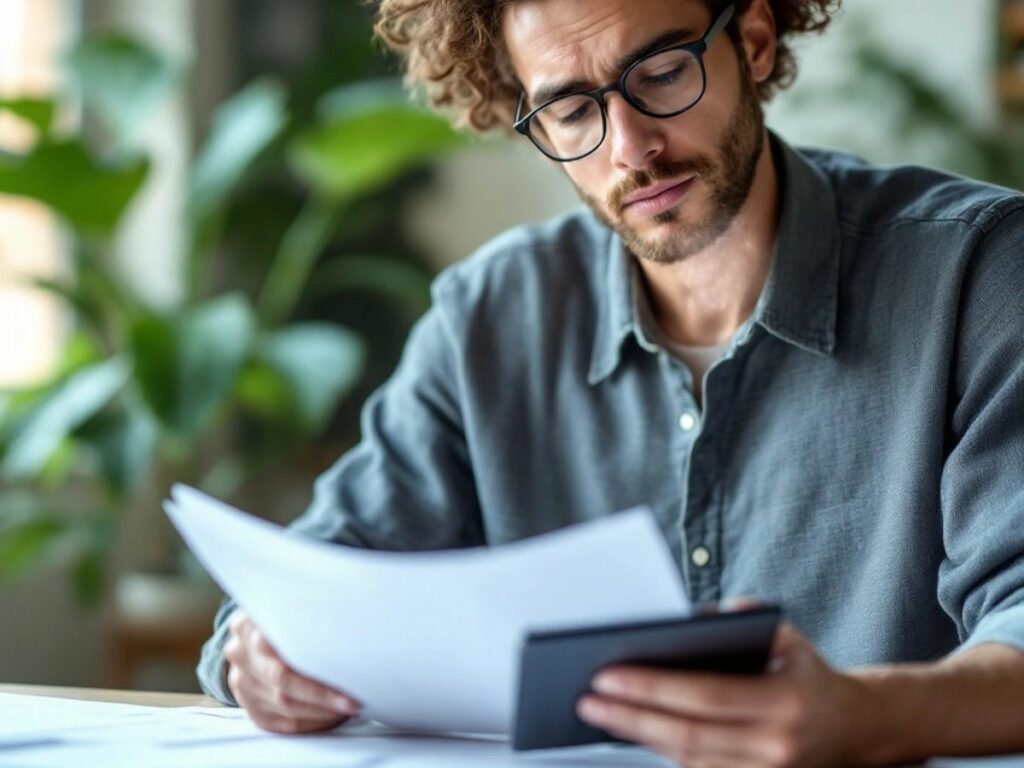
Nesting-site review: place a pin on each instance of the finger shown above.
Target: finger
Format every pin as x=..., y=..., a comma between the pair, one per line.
x=288, y=707
x=262, y=700
x=284, y=685
x=294, y=725
x=238, y=619
x=788, y=638
x=702, y=695
x=681, y=739
x=740, y=603
x=277, y=685
x=301, y=689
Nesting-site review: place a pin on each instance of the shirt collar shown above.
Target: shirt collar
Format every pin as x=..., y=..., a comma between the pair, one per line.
x=798, y=303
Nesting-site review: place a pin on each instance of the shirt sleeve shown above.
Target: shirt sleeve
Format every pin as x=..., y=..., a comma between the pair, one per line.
x=408, y=484
x=981, y=581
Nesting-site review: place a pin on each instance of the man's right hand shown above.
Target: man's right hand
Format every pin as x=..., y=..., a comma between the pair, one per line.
x=277, y=697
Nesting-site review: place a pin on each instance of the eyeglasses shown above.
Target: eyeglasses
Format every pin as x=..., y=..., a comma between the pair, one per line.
x=662, y=84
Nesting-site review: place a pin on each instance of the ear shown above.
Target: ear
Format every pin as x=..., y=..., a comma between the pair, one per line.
x=757, y=31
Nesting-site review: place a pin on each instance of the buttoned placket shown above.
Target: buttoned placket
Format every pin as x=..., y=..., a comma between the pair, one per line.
x=703, y=501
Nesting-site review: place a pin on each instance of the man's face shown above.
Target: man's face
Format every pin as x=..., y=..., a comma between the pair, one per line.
x=670, y=187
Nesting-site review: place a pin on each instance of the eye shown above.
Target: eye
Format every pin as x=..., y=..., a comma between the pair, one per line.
x=667, y=76
x=662, y=70
x=567, y=116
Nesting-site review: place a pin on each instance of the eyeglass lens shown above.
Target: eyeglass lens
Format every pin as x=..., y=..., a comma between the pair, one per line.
x=663, y=84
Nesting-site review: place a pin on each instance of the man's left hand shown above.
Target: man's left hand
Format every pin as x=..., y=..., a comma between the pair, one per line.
x=800, y=713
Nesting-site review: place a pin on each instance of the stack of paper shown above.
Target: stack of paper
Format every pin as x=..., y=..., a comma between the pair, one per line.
x=429, y=641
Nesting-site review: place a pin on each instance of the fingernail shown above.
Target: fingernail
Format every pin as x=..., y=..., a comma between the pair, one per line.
x=344, y=705
x=588, y=709
x=606, y=682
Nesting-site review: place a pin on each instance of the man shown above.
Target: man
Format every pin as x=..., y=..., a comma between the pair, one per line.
x=812, y=369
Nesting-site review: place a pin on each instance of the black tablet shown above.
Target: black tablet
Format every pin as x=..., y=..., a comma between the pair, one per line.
x=556, y=667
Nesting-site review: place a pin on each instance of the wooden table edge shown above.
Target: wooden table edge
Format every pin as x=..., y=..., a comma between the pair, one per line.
x=145, y=698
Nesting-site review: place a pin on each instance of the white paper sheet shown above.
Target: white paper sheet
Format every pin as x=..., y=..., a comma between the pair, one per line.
x=429, y=641
x=43, y=732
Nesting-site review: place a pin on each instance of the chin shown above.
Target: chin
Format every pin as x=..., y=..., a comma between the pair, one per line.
x=671, y=242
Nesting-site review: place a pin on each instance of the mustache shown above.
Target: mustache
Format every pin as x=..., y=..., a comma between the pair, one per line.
x=659, y=171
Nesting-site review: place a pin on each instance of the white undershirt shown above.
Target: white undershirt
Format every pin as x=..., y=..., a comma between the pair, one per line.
x=698, y=360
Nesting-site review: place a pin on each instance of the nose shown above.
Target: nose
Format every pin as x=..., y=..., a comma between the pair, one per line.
x=635, y=139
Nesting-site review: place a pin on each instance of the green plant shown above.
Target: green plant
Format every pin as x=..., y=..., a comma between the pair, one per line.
x=144, y=396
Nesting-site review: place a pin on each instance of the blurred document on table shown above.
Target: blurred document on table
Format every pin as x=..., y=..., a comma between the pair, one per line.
x=41, y=732
x=429, y=640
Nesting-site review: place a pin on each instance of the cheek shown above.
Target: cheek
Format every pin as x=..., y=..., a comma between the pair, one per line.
x=589, y=177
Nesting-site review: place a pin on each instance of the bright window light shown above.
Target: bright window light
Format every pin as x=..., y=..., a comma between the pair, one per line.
x=32, y=323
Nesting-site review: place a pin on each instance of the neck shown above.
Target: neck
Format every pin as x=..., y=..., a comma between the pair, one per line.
x=703, y=300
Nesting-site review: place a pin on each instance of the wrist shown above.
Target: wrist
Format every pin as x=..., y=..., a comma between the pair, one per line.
x=863, y=729
x=886, y=721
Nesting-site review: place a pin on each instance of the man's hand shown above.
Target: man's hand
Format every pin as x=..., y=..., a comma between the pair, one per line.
x=801, y=713
x=276, y=697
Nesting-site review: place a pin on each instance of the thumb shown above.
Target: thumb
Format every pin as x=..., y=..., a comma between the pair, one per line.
x=789, y=646
x=740, y=603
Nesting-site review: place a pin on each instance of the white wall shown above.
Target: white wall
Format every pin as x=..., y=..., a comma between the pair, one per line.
x=950, y=42
x=484, y=191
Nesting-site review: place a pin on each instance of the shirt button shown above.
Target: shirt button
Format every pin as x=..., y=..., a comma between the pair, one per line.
x=688, y=422
x=700, y=556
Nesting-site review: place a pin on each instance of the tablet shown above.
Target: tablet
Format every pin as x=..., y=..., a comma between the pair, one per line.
x=556, y=667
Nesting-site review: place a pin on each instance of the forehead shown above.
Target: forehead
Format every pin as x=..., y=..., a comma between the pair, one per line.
x=554, y=41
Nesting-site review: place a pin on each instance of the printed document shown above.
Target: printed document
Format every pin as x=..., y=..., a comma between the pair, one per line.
x=429, y=641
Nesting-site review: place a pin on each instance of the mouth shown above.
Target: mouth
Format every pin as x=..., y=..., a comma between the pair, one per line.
x=658, y=198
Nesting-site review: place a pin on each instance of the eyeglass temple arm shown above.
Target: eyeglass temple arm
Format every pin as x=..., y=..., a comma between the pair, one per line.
x=723, y=18
x=519, y=111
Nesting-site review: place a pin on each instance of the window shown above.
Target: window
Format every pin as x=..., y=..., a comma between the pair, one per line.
x=32, y=324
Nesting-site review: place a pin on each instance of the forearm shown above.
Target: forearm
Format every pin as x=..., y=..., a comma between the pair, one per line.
x=968, y=704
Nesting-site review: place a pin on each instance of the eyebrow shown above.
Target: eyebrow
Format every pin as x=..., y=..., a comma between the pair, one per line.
x=546, y=93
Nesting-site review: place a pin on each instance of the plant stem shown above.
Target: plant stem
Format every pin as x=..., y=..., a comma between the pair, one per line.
x=300, y=248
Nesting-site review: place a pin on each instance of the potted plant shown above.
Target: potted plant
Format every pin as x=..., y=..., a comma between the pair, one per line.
x=144, y=397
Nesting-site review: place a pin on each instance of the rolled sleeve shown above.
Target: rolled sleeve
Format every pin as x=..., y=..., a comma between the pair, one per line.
x=1005, y=627
x=212, y=669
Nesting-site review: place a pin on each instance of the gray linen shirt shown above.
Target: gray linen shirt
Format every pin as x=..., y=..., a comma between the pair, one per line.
x=859, y=457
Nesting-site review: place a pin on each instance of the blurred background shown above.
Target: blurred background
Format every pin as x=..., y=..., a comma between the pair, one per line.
x=218, y=221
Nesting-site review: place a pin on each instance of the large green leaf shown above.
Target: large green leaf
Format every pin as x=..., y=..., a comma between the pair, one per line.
x=71, y=294
x=243, y=128
x=154, y=345
x=407, y=284
x=122, y=80
x=38, y=112
x=262, y=390
x=320, y=362
x=25, y=545
x=353, y=98
x=89, y=577
x=124, y=444
x=186, y=367
x=300, y=248
x=90, y=194
x=368, y=138
x=44, y=538
x=77, y=399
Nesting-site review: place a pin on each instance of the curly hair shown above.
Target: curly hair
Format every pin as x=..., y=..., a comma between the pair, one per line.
x=454, y=50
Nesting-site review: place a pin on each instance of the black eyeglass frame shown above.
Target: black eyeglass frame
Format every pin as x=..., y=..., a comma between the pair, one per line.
x=697, y=48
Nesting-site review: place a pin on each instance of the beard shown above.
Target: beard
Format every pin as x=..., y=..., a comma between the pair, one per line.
x=729, y=180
